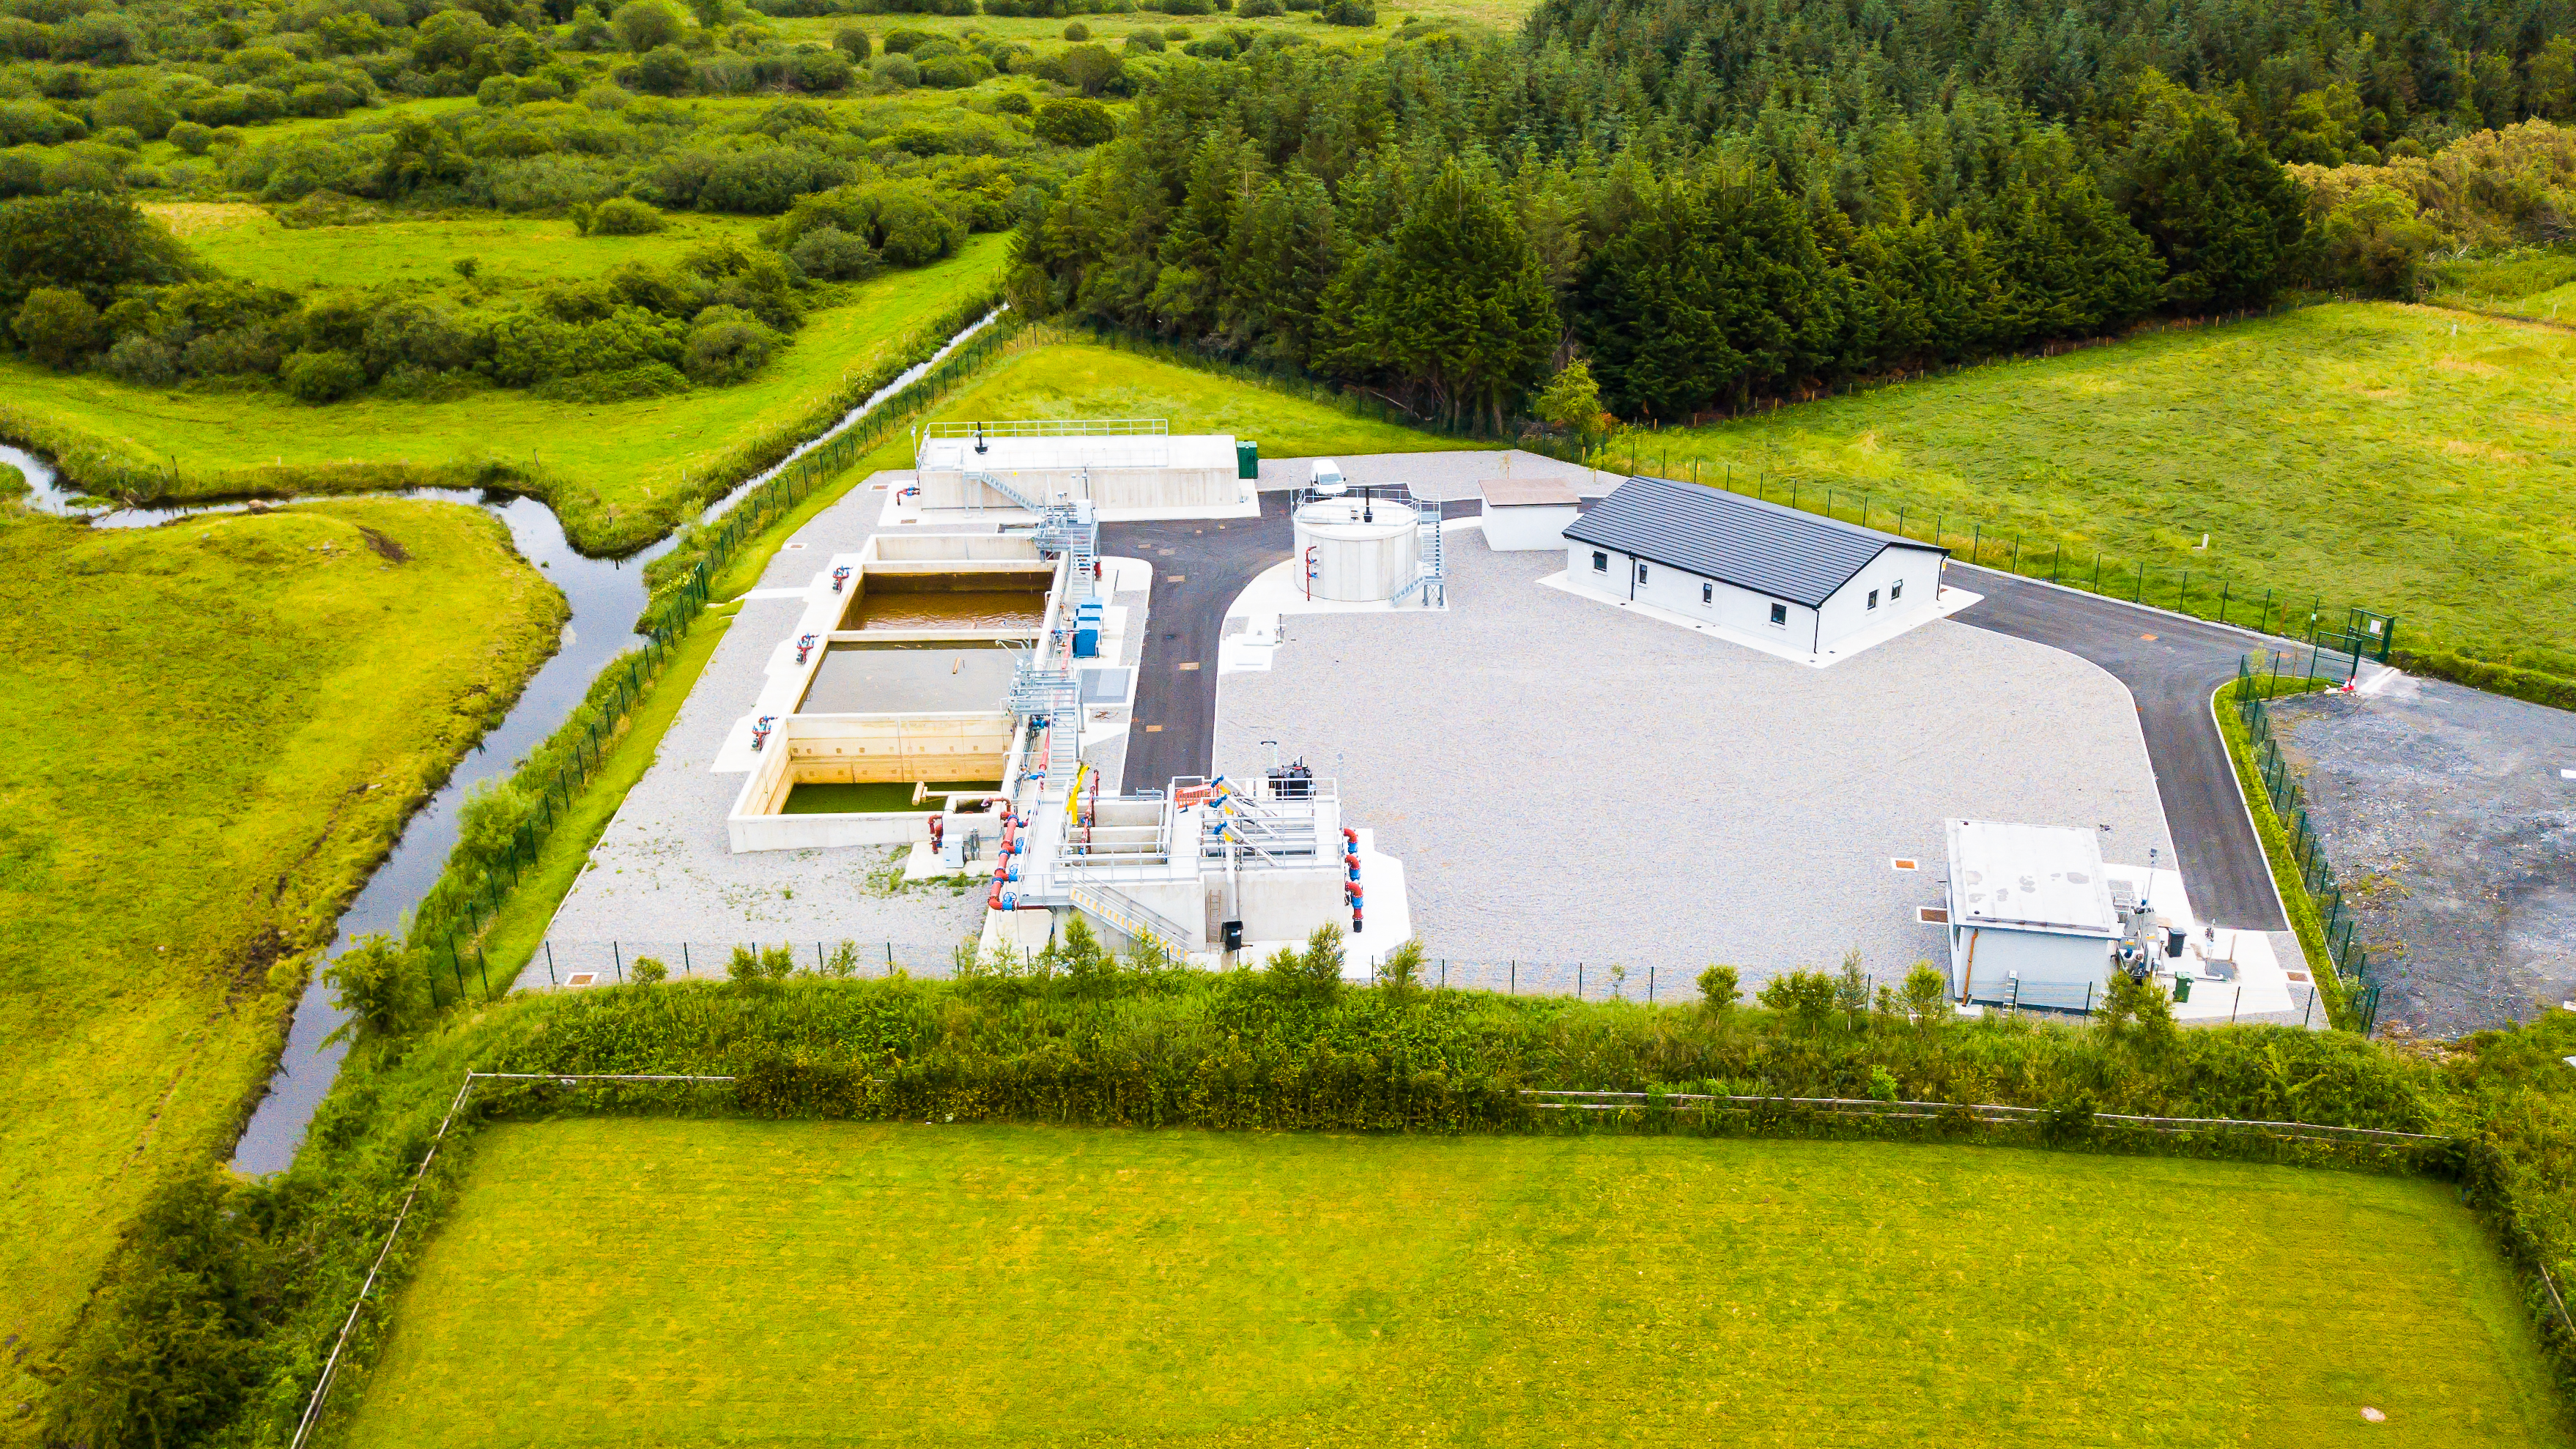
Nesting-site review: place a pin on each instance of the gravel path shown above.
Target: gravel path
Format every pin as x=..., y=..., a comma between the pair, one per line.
x=1566, y=782
x=2451, y=828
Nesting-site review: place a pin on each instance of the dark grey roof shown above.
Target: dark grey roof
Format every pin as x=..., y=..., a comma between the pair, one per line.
x=1764, y=547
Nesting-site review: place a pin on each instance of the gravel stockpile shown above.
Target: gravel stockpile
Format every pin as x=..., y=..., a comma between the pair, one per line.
x=1568, y=782
x=2452, y=831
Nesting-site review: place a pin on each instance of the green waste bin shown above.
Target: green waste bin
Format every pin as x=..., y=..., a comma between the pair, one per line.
x=1247, y=459
x=2182, y=988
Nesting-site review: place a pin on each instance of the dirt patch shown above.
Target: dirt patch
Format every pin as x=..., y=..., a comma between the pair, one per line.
x=385, y=546
x=2451, y=828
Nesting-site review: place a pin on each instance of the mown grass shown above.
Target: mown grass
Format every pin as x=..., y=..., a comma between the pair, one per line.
x=2406, y=458
x=682, y=1281
x=246, y=242
x=1058, y=378
x=215, y=728
x=618, y=474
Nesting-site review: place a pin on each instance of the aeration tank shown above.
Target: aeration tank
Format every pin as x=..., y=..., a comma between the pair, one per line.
x=1355, y=548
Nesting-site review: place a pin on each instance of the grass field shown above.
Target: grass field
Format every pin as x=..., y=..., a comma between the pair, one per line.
x=687, y=1282
x=2409, y=458
x=1053, y=378
x=2535, y=283
x=615, y=472
x=244, y=241
x=214, y=730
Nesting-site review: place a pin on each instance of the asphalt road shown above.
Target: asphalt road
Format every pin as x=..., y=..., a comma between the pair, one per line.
x=2171, y=666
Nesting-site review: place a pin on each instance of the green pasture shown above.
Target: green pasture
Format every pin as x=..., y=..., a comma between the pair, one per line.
x=671, y=1282
x=246, y=242
x=2538, y=283
x=2412, y=459
x=619, y=474
x=1052, y=377
x=215, y=729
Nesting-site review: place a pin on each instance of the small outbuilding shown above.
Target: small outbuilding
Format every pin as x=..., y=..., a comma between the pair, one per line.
x=2033, y=915
x=1777, y=577
x=1527, y=515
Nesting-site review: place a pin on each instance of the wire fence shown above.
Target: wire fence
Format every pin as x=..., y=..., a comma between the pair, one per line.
x=2346, y=956
x=1581, y=1101
x=452, y=917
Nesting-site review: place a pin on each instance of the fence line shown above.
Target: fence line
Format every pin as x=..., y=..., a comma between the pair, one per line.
x=2346, y=956
x=331, y=1366
x=1581, y=1101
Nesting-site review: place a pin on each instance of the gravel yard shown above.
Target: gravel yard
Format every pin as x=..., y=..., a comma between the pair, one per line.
x=2452, y=831
x=1567, y=782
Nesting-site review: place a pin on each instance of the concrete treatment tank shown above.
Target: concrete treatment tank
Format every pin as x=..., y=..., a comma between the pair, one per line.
x=1357, y=549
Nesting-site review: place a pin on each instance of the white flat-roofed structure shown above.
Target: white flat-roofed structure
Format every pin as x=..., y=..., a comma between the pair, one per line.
x=1526, y=515
x=1116, y=464
x=2031, y=903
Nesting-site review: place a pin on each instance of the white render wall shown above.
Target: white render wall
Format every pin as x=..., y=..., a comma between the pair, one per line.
x=1848, y=611
x=1678, y=590
x=1528, y=527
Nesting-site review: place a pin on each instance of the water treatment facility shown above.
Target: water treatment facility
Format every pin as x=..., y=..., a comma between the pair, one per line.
x=1571, y=730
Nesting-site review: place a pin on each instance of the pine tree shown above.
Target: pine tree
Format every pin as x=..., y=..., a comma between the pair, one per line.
x=2220, y=211
x=1281, y=258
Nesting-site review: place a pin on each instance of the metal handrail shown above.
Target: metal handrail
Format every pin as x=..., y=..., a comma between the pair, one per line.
x=1055, y=428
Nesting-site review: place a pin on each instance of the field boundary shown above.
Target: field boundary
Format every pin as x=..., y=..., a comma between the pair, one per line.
x=330, y=1367
x=1581, y=1101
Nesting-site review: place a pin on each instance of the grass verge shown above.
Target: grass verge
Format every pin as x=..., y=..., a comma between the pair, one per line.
x=216, y=729
x=519, y=928
x=678, y=1280
x=2305, y=919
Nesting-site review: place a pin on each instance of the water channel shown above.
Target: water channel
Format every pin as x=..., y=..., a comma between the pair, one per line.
x=607, y=597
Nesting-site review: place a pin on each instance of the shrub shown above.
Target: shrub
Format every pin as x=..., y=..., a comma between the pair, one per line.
x=247, y=351
x=727, y=345
x=1012, y=103
x=322, y=377
x=896, y=70
x=1926, y=995
x=819, y=72
x=1077, y=32
x=743, y=966
x=57, y=326
x=648, y=971
x=851, y=41
x=144, y=361
x=1717, y=989
x=1257, y=9
x=777, y=962
x=1093, y=70
x=1075, y=122
x=844, y=962
x=139, y=111
x=191, y=138
x=1401, y=972
x=1314, y=973
x=829, y=254
x=624, y=216
x=380, y=987
x=645, y=25
x=90, y=243
x=1146, y=42
x=665, y=71
x=1805, y=997
x=955, y=72
x=1350, y=12
x=904, y=42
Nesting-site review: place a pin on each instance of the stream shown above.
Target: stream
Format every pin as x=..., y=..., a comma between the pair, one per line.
x=607, y=598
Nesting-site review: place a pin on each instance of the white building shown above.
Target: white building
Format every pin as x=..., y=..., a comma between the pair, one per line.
x=1778, y=578
x=2033, y=915
x=1122, y=466
x=1527, y=515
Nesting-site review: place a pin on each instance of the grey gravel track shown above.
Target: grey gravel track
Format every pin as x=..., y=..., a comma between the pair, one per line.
x=2452, y=831
x=1568, y=782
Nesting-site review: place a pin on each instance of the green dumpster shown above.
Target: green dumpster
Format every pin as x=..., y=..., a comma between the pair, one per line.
x=1247, y=458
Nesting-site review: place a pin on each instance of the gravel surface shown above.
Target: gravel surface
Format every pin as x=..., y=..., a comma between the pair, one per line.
x=1567, y=782
x=2452, y=832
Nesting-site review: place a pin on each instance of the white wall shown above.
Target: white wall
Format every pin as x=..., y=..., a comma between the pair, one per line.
x=1679, y=591
x=2038, y=958
x=1848, y=612
x=1528, y=528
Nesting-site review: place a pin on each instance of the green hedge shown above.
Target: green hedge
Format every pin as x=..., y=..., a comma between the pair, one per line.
x=2555, y=690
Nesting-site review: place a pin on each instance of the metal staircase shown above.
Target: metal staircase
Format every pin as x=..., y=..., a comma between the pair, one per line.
x=1141, y=922
x=1432, y=582
x=1052, y=700
x=1064, y=526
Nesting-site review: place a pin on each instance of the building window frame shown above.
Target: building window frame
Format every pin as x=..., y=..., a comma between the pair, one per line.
x=1779, y=616
x=1873, y=598
x=1600, y=562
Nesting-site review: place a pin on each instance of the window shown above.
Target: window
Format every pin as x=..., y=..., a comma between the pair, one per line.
x=1779, y=614
x=1641, y=573
x=1873, y=598
x=1896, y=591
x=1708, y=593
x=1600, y=562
